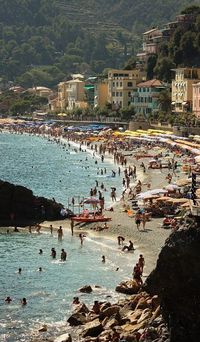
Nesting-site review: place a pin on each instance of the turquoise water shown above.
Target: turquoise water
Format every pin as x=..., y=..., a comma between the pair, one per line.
x=49, y=170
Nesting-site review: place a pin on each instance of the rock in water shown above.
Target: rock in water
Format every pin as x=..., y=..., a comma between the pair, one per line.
x=19, y=207
x=86, y=289
x=176, y=280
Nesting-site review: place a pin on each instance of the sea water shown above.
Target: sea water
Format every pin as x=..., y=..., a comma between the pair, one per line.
x=51, y=171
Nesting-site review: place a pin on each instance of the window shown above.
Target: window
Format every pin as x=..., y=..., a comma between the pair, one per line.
x=113, y=93
x=120, y=84
x=113, y=84
x=120, y=94
x=117, y=93
x=117, y=84
x=129, y=94
x=130, y=84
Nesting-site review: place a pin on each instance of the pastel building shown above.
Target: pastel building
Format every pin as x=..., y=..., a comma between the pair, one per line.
x=76, y=94
x=120, y=86
x=182, y=89
x=145, y=97
x=101, y=93
x=62, y=96
x=196, y=99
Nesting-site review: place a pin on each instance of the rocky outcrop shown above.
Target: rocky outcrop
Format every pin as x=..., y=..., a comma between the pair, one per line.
x=176, y=280
x=130, y=319
x=128, y=287
x=86, y=289
x=18, y=206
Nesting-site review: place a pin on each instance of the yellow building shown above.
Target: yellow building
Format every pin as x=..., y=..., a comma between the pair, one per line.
x=75, y=94
x=62, y=96
x=121, y=84
x=182, y=89
x=101, y=93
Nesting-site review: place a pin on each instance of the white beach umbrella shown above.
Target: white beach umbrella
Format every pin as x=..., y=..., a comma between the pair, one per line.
x=171, y=187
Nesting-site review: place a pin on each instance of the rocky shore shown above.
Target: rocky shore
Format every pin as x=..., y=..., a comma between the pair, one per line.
x=164, y=309
x=19, y=207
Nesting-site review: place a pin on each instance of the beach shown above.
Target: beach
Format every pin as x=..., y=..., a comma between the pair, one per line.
x=122, y=157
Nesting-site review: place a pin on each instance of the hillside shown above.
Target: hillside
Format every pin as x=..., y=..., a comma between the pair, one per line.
x=42, y=41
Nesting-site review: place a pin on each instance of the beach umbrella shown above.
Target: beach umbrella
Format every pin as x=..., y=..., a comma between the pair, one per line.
x=164, y=198
x=171, y=187
x=178, y=200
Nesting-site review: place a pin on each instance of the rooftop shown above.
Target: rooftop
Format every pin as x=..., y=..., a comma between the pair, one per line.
x=150, y=83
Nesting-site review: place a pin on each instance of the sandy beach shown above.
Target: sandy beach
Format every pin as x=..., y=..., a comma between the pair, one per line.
x=148, y=242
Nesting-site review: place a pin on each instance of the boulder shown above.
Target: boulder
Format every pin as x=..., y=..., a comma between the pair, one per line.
x=81, y=308
x=19, y=207
x=92, y=329
x=77, y=319
x=43, y=328
x=63, y=338
x=142, y=304
x=86, y=289
x=176, y=280
x=128, y=287
x=110, y=323
x=108, y=312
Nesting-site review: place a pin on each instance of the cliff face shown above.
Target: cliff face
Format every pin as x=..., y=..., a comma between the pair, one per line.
x=18, y=206
x=176, y=280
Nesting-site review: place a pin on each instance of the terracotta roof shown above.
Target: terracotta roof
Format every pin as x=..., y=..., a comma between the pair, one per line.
x=150, y=83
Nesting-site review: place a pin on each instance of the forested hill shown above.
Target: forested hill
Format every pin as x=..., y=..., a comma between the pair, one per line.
x=43, y=41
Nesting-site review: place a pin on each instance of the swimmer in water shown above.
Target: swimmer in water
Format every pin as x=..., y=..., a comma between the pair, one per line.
x=81, y=236
x=40, y=251
x=60, y=233
x=53, y=253
x=40, y=269
x=20, y=270
x=23, y=301
x=103, y=259
x=63, y=256
x=8, y=300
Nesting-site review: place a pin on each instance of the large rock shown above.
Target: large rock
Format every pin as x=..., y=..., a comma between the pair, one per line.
x=81, y=308
x=110, y=311
x=176, y=280
x=92, y=329
x=63, y=338
x=86, y=289
x=128, y=287
x=77, y=319
x=19, y=207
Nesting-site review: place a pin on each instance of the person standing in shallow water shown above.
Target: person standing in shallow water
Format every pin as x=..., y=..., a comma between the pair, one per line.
x=60, y=233
x=51, y=229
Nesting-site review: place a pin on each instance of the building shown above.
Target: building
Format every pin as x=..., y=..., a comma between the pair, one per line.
x=152, y=39
x=196, y=99
x=145, y=97
x=121, y=84
x=54, y=104
x=41, y=91
x=62, y=96
x=101, y=93
x=182, y=89
x=76, y=94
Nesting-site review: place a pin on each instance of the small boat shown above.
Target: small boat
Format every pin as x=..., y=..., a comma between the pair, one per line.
x=90, y=218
